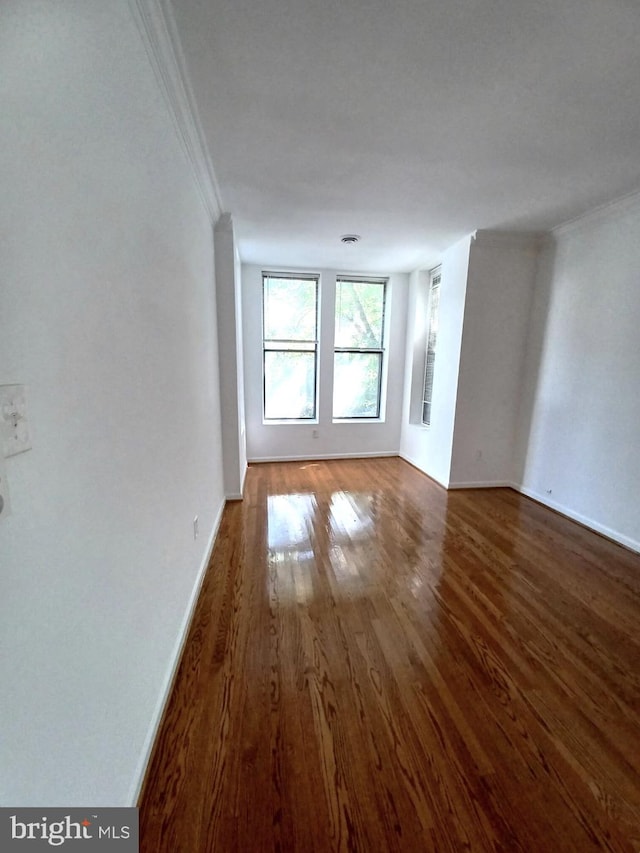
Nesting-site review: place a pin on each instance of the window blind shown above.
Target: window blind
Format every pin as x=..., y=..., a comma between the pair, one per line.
x=432, y=336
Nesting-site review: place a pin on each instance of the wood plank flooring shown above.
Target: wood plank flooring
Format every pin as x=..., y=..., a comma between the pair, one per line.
x=378, y=665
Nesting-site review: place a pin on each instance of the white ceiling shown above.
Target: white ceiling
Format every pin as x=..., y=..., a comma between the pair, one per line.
x=411, y=122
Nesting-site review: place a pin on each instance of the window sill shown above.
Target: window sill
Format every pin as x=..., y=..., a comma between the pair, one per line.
x=358, y=421
x=315, y=423
x=291, y=422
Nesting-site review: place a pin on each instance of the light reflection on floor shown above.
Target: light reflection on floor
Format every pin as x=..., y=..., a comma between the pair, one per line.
x=350, y=515
x=337, y=540
x=291, y=556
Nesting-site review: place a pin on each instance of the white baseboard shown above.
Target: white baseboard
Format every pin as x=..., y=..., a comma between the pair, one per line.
x=482, y=484
x=238, y=496
x=173, y=666
x=411, y=461
x=319, y=457
x=585, y=521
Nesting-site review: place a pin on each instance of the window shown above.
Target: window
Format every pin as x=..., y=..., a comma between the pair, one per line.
x=358, y=348
x=432, y=334
x=290, y=346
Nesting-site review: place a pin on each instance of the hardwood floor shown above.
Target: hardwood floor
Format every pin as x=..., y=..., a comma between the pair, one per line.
x=378, y=665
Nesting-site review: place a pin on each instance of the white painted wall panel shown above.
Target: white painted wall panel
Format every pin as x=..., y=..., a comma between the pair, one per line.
x=430, y=448
x=230, y=355
x=580, y=425
x=502, y=270
x=107, y=308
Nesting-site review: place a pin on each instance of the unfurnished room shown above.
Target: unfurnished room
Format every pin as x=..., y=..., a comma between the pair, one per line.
x=320, y=426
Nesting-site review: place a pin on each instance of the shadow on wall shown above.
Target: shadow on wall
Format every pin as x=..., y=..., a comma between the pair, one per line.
x=534, y=355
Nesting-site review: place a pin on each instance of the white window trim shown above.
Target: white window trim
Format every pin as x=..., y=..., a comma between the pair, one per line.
x=435, y=280
x=384, y=281
x=294, y=276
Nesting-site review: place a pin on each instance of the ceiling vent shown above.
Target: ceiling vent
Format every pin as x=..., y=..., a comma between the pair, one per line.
x=349, y=238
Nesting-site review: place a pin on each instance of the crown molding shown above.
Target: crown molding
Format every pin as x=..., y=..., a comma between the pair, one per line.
x=156, y=24
x=224, y=224
x=610, y=208
x=507, y=239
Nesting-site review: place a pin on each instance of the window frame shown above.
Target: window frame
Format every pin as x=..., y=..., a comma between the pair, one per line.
x=435, y=282
x=380, y=351
x=291, y=276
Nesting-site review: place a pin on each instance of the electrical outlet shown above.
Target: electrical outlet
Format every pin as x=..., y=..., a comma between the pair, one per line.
x=5, y=506
x=14, y=426
x=315, y=433
x=195, y=527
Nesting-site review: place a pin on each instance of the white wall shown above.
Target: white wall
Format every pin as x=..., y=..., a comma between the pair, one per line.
x=230, y=354
x=108, y=316
x=242, y=435
x=430, y=448
x=502, y=269
x=580, y=426
x=296, y=441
